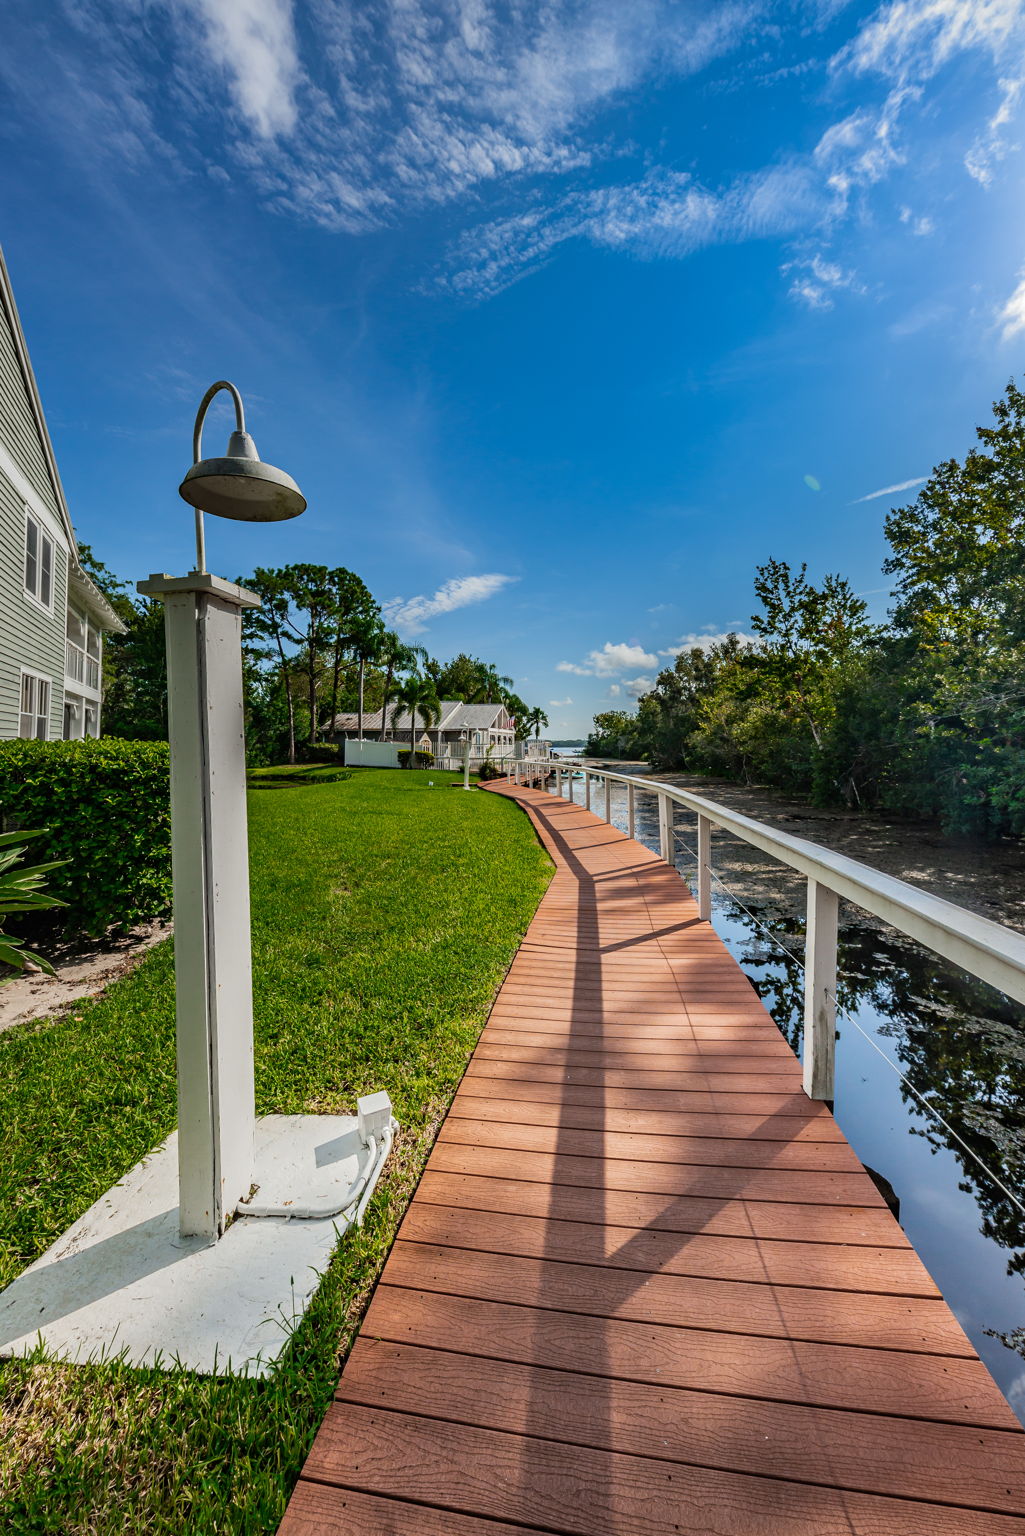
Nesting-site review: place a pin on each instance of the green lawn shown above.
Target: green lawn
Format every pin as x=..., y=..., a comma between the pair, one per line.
x=384, y=915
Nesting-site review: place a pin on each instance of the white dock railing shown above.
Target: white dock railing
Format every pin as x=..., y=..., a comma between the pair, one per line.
x=985, y=949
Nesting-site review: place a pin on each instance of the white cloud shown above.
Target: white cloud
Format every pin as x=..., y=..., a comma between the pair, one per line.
x=707, y=638
x=611, y=661
x=559, y=703
x=411, y=614
x=817, y=279
x=664, y=214
x=635, y=686
x=405, y=103
x=1012, y=317
x=891, y=490
x=253, y=43
x=919, y=225
x=352, y=114
x=992, y=146
x=912, y=39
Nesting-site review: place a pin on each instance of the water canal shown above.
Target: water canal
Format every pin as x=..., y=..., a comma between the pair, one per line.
x=911, y=1029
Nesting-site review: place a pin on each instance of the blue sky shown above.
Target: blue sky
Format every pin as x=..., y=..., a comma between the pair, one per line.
x=563, y=315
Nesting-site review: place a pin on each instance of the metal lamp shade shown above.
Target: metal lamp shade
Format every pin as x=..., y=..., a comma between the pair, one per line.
x=242, y=487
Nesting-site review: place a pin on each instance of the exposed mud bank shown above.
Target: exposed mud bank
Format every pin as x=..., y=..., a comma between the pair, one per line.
x=988, y=878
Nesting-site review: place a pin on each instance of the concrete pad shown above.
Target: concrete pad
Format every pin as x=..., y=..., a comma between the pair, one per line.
x=121, y=1281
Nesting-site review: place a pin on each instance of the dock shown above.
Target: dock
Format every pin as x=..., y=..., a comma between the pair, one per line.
x=645, y=1287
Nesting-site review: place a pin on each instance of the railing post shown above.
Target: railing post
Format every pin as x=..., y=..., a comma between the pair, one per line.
x=587, y=790
x=558, y=782
x=608, y=800
x=630, y=812
x=665, y=828
x=516, y=772
x=704, y=869
x=820, y=991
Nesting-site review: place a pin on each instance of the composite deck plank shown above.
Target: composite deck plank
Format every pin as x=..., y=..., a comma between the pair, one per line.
x=867, y=1453
x=957, y=1391
x=759, y=1219
x=700, y=1101
x=647, y=1146
x=799, y=1186
x=645, y=1286
x=871, y=1321
x=582, y=1491
x=656, y=1122
x=826, y=1266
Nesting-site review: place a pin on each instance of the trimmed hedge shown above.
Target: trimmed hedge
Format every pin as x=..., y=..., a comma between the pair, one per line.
x=105, y=808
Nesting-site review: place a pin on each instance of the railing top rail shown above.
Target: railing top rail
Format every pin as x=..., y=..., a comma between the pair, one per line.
x=977, y=944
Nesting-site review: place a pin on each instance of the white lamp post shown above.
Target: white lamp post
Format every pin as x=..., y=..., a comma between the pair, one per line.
x=209, y=841
x=464, y=737
x=158, y=1269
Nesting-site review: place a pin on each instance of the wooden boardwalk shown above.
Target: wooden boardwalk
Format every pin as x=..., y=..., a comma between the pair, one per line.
x=645, y=1287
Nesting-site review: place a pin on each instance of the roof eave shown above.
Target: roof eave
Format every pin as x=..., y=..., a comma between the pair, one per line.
x=35, y=400
x=93, y=599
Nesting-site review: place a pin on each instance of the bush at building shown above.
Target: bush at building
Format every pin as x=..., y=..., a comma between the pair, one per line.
x=104, y=806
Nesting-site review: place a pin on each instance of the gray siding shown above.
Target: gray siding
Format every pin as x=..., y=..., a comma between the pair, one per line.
x=18, y=430
x=28, y=636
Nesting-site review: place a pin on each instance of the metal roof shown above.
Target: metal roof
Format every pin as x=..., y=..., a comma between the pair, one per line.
x=455, y=716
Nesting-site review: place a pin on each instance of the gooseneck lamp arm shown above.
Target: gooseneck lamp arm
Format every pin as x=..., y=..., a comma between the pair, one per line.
x=197, y=452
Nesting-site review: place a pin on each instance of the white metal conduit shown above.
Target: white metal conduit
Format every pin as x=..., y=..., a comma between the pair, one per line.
x=984, y=949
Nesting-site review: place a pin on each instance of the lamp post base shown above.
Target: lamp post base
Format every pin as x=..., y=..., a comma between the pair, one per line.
x=123, y=1283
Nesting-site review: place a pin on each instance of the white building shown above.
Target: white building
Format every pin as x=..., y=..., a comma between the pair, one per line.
x=489, y=728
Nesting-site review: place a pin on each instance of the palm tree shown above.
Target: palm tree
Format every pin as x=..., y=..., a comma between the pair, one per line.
x=366, y=635
x=396, y=656
x=420, y=696
x=533, y=720
x=490, y=685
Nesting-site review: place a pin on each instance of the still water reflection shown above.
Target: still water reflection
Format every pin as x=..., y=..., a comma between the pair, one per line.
x=959, y=1044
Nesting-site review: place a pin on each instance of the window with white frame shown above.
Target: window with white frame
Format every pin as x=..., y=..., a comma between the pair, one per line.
x=34, y=720
x=38, y=561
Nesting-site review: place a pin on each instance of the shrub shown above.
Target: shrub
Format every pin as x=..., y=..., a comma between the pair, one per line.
x=423, y=759
x=322, y=752
x=104, y=807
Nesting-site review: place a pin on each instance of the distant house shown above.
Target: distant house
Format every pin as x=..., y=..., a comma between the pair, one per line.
x=488, y=726
x=52, y=616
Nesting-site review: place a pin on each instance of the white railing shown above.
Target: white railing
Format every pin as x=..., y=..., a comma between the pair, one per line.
x=983, y=948
x=79, y=666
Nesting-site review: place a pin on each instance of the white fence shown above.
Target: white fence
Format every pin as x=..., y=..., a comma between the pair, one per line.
x=983, y=948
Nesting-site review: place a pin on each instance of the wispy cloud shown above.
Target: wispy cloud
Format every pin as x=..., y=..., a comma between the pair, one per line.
x=612, y=660
x=354, y=114
x=890, y=490
x=403, y=105
x=411, y=615
x=1012, y=316
x=992, y=145
x=559, y=703
x=816, y=279
x=664, y=214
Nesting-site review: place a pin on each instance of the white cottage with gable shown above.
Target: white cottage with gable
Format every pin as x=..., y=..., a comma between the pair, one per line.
x=52, y=616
